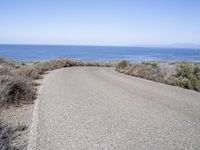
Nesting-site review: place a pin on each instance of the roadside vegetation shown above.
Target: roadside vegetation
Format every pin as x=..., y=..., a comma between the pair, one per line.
x=188, y=76
x=183, y=74
x=8, y=136
x=17, y=84
x=18, y=87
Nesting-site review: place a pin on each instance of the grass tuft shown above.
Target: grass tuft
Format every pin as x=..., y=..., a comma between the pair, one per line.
x=8, y=135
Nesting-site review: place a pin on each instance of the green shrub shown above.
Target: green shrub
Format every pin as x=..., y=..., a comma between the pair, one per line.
x=197, y=85
x=172, y=80
x=189, y=84
x=153, y=64
x=186, y=75
x=146, y=63
x=185, y=70
x=189, y=76
x=121, y=65
x=197, y=71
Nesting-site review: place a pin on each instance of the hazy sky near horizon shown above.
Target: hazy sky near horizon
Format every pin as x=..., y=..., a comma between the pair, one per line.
x=99, y=22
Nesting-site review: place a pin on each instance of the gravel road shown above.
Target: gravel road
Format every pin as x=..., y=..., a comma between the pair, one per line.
x=98, y=108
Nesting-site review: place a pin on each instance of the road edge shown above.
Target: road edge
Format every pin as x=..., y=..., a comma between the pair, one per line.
x=34, y=125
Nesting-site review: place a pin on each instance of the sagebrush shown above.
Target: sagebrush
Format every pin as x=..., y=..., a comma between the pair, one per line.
x=183, y=74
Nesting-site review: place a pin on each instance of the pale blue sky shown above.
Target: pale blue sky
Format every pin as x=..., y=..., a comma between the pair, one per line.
x=99, y=22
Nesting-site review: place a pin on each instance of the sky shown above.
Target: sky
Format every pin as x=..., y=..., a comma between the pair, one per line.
x=99, y=22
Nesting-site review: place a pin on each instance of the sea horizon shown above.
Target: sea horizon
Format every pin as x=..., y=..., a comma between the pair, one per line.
x=43, y=52
x=99, y=45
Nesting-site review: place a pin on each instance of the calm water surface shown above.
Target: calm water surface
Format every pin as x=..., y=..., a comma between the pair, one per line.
x=97, y=53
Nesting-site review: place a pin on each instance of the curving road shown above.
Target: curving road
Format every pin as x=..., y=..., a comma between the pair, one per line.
x=98, y=108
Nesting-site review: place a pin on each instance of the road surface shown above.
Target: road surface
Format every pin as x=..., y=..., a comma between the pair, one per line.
x=98, y=108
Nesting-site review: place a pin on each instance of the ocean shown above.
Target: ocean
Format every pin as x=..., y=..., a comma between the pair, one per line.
x=97, y=53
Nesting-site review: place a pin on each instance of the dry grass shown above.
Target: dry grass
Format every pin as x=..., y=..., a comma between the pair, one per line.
x=183, y=74
x=8, y=136
x=16, y=90
x=28, y=72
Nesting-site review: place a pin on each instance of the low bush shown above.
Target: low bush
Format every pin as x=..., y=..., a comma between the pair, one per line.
x=122, y=65
x=7, y=62
x=6, y=70
x=189, y=76
x=16, y=90
x=145, y=70
x=28, y=72
x=186, y=75
x=184, y=70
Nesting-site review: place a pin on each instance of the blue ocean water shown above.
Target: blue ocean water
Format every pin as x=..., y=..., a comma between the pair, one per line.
x=97, y=53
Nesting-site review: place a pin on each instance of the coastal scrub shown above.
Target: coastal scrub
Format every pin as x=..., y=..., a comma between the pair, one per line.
x=183, y=74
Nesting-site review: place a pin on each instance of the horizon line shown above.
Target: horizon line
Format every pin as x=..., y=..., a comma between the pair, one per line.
x=136, y=45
